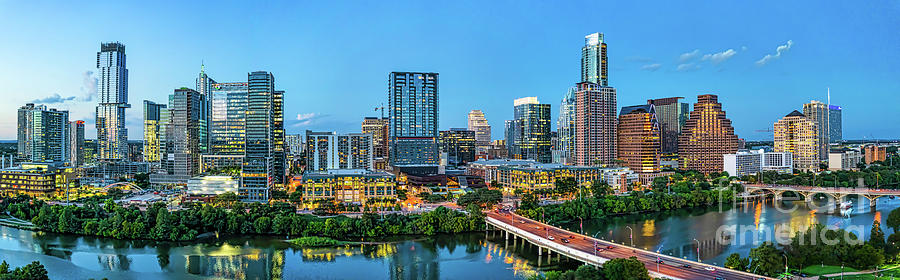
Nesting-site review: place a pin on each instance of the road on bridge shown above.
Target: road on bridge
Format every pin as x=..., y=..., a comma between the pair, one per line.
x=671, y=266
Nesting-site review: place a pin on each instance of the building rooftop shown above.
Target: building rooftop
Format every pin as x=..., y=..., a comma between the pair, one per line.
x=795, y=113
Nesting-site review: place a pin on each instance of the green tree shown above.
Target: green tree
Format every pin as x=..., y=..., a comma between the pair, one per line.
x=296, y=197
x=587, y=272
x=625, y=269
x=262, y=225
x=893, y=220
x=768, y=259
x=734, y=261
x=565, y=185
x=600, y=188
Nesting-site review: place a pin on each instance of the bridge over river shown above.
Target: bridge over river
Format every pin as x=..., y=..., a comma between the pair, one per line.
x=585, y=249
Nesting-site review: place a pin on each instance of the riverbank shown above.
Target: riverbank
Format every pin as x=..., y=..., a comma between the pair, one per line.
x=14, y=222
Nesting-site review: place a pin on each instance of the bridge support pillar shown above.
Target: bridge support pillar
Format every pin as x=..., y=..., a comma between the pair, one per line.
x=540, y=251
x=507, y=235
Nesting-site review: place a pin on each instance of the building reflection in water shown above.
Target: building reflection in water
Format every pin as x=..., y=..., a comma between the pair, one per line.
x=233, y=262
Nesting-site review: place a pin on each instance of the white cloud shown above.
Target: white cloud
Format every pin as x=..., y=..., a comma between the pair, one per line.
x=53, y=99
x=686, y=67
x=306, y=119
x=778, y=51
x=651, y=67
x=88, y=86
x=717, y=58
x=685, y=57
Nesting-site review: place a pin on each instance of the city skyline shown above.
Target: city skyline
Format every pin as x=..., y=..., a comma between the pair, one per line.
x=727, y=60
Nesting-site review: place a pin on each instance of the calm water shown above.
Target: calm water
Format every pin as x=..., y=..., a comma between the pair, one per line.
x=464, y=256
x=673, y=232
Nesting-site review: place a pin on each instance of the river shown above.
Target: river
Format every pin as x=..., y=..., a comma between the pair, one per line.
x=462, y=256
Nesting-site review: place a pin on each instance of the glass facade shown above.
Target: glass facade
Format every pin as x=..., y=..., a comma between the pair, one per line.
x=229, y=106
x=112, y=93
x=836, y=131
x=152, y=122
x=593, y=60
x=43, y=134
x=528, y=134
x=459, y=144
x=413, y=100
x=256, y=171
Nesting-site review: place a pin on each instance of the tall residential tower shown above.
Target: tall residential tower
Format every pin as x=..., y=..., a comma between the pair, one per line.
x=112, y=92
x=593, y=60
x=413, y=104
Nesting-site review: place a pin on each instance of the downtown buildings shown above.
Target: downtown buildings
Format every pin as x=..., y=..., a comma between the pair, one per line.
x=43, y=134
x=459, y=145
x=752, y=162
x=479, y=124
x=818, y=113
x=799, y=135
x=835, y=124
x=154, y=130
x=112, y=92
x=329, y=150
x=379, y=128
x=76, y=143
x=672, y=115
x=413, y=104
x=528, y=133
x=707, y=135
x=565, y=126
x=595, y=124
x=638, y=136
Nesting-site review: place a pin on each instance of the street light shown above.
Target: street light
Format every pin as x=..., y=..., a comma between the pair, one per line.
x=785, y=263
x=698, y=249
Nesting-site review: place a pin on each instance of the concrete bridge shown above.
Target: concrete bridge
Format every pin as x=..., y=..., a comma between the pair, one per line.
x=585, y=249
x=838, y=194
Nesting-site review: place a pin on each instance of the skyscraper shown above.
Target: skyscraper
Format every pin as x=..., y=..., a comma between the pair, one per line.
x=380, y=130
x=595, y=124
x=798, y=135
x=76, y=143
x=835, y=125
x=672, y=114
x=277, y=146
x=638, y=138
x=229, y=106
x=112, y=92
x=818, y=112
x=528, y=134
x=181, y=152
x=43, y=134
x=257, y=170
x=204, y=87
x=565, y=127
x=706, y=136
x=459, y=144
x=413, y=104
x=329, y=150
x=152, y=124
x=593, y=60
x=479, y=124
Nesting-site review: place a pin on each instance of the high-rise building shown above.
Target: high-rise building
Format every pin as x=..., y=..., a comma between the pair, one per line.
x=751, y=162
x=279, y=159
x=798, y=135
x=257, y=170
x=43, y=134
x=874, y=153
x=672, y=114
x=293, y=144
x=706, y=136
x=181, y=152
x=528, y=134
x=565, y=127
x=204, y=87
x=328, y=150
x=835, y=124
x=413, y=104
x=844, y=159
x=638, y=139
x=380, y=130
x=229, y=106
x=479, y=124
x=593, y=60
x=152, y=124
x=459, y=144
x=76, y=143
x=112, y=93
x=818, y=112
x=595, y=124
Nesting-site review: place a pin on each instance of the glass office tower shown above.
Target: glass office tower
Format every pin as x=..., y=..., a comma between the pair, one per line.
x=413, y=100
x=112, y=92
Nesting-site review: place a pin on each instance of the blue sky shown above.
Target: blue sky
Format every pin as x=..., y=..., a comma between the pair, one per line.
x=332, y=57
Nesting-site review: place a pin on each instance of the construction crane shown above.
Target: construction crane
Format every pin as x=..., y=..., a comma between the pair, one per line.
x=382, y=110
